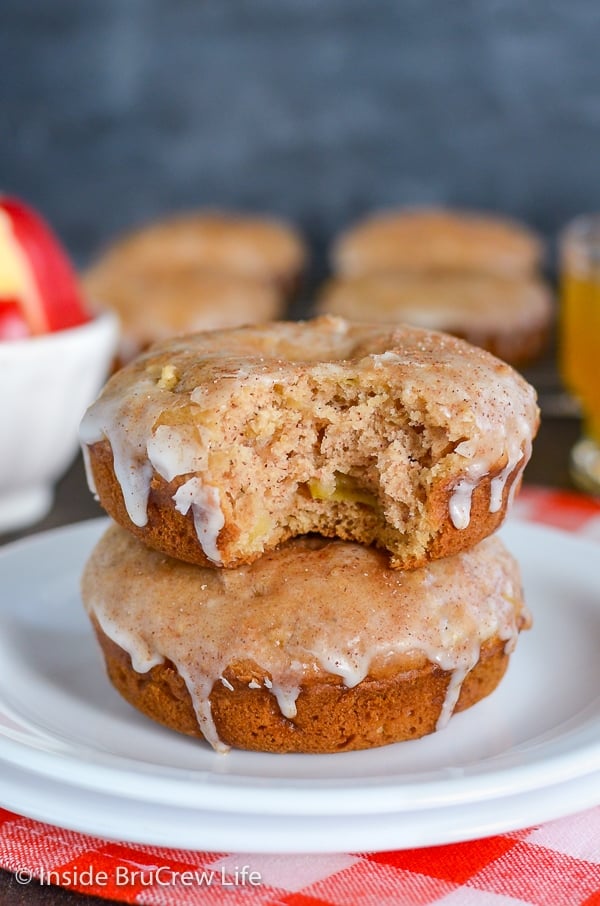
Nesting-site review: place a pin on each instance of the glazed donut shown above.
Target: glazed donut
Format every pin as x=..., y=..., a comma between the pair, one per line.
x=417, y=240
x=510, y=317
x=261, y=248
x=196, y=271
x=317, y=647
x=217, y=447
x=156, y=306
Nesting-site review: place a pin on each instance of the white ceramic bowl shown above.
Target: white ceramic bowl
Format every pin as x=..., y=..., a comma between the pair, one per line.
x=46, y=384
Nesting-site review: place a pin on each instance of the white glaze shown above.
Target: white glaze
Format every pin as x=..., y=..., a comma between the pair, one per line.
x=286, y=696
x=208, y=515
x=507, y=437
x=175, y=451
x=351, y=669
x=385, y=358
x=498, y=483
x=199, y=685
x=457, y=678
x=89, y=475
x=143, y=657
x=459, y=505
x=127, y=423
x=479, y=403
x=280, y=614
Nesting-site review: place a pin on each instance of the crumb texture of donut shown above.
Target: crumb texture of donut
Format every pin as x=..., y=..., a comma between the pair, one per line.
x=218, y=447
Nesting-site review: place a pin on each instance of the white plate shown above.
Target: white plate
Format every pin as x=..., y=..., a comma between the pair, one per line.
x=73, y=753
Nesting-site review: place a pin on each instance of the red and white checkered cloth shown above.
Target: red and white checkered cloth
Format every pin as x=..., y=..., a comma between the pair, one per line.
x=557, y=863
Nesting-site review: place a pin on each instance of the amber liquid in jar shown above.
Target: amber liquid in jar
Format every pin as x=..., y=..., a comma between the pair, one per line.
x=580, y=333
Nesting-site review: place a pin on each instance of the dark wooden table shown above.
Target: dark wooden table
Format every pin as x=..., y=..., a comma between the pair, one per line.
x=548, y=466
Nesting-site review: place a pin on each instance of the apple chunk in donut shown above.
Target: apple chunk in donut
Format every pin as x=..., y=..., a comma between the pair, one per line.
x=217, y=447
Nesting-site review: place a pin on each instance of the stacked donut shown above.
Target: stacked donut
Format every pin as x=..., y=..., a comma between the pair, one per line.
x=302, y=557
x=196, y=271
x=475, y=275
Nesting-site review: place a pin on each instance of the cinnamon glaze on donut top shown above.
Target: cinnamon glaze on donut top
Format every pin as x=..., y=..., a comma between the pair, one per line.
x=219, y=241
x=509, y=317
x=437, y=240
x=276, y=625
x=155, y=305
x=218, y=446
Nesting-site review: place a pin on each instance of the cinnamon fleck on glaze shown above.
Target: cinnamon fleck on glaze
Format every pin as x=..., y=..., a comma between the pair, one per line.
x=509, y=317
x=196, y=271
x=224, y=242
x=218, y=446
x=155, y=305
x=437, y=240
x=281, y=627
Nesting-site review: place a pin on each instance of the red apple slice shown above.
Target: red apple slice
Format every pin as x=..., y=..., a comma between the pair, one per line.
x=13, y=325
x=37, y=273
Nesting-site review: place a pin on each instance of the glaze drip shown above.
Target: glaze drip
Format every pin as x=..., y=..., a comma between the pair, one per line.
x=208, y=516
x=278, y=615
x=255, y=415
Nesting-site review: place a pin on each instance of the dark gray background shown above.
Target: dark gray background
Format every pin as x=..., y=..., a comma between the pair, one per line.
x=113, y=111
